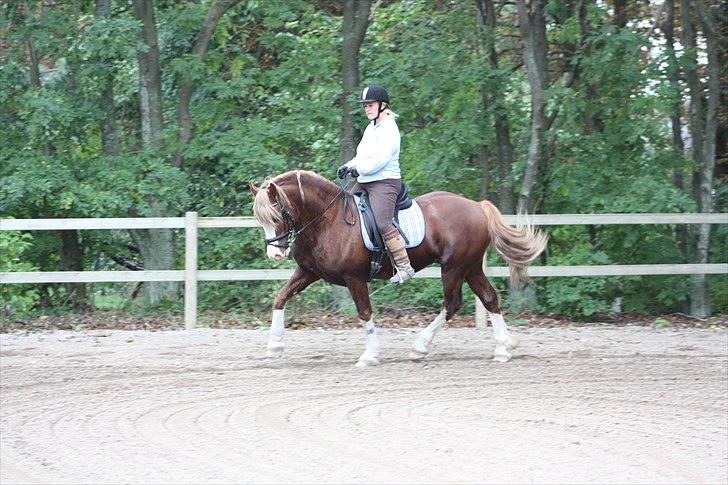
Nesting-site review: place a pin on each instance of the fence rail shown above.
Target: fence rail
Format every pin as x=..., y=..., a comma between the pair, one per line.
x=232, y=222
x=191, y=274
x=284, y=274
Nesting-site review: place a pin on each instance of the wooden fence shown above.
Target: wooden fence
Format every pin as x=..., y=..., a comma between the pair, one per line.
x=191, y=274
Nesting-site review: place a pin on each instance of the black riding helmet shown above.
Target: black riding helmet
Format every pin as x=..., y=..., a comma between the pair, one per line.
x=375, y=92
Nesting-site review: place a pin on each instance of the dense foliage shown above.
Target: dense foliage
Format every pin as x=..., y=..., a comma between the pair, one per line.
x=266, y=100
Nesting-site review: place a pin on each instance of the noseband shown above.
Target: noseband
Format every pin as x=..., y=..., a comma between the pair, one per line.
x=289, y=224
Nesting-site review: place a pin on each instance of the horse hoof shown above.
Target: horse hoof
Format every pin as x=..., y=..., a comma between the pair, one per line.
x=420, y=349
x=274, y=353
x=501, y=355
x=367, y=361
x=416, y=355
x=274, y=349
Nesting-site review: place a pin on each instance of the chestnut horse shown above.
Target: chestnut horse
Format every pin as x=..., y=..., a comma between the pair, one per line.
x=307, y=208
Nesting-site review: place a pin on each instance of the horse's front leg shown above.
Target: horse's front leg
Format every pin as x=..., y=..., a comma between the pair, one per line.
x=423, y=344
x=360, y=294
x=297, y=283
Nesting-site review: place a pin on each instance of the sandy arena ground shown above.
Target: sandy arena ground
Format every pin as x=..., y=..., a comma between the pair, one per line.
x=576, y=405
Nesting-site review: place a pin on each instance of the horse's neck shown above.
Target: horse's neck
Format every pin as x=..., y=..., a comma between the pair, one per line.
x=310, y=203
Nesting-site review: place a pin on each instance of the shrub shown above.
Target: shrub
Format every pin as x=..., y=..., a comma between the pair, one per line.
x=13, y=247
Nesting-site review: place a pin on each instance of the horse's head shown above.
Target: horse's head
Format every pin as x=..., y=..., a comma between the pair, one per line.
x=270, y=210
x=288, y=204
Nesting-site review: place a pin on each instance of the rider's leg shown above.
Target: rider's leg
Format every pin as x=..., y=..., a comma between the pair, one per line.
x=395, y=245
x=382, y=198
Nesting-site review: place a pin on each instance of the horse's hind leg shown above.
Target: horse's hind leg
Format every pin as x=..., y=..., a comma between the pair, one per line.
x=360, y=294
x=504, y=342
x=297, y=283
x=452, y=284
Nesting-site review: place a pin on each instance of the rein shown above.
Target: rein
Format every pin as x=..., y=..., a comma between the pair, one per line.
x=290, y=224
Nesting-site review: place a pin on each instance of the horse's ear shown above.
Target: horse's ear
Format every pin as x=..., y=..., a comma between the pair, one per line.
x=272, y=191
x=253, y=189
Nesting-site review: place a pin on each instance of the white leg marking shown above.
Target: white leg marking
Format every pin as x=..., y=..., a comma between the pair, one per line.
x=275, y=340
x=503, y=339
x=423, y=344
x=370, y=357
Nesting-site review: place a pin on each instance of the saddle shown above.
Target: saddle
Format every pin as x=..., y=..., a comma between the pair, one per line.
x=370, y=224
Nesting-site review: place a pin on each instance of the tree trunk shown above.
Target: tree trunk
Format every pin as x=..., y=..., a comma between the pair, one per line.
x=697, y=127
x=34, y=72
x=72, y=260
x=721, y=138
x=621, y=13
x=487, y=21
x=532, y=27
x=480, y=157
x=33, y=69
x=109, y=136
x=354, y=27
x=150, y=79
x=700, y=303
x=673, y=76
x=592, y=123
x=699, y=300
x=156, y=246
x=186, y=89
x=70, y=251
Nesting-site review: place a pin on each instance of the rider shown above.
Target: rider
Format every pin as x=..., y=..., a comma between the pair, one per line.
x=376, y=168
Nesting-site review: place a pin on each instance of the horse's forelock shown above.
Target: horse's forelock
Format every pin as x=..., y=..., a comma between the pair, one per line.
x=263, y=208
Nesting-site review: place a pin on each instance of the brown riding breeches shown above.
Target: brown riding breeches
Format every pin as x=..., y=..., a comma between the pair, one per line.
x=382, y=198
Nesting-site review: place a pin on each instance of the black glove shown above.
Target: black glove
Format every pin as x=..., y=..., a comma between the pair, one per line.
x=353, y=172
x=343, y=171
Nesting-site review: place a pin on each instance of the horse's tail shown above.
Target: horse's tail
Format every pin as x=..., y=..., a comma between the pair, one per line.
x=519, y=246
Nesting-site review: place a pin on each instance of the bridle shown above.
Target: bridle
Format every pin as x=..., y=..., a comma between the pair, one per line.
x=289, y=224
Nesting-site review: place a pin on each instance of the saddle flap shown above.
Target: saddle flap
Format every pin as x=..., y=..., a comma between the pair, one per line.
x=368, y=221
x=410, y=223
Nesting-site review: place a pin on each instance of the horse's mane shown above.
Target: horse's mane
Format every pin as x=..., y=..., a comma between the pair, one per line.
x=264, y=208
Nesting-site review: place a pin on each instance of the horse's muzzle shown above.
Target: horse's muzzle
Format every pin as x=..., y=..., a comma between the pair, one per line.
x=277, y=254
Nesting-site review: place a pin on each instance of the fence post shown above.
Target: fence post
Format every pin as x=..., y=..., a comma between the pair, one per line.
x=481, y=316
x=190, y=270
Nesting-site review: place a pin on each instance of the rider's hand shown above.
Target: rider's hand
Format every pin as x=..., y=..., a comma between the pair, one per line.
x=343, y=170
x=353, y=172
